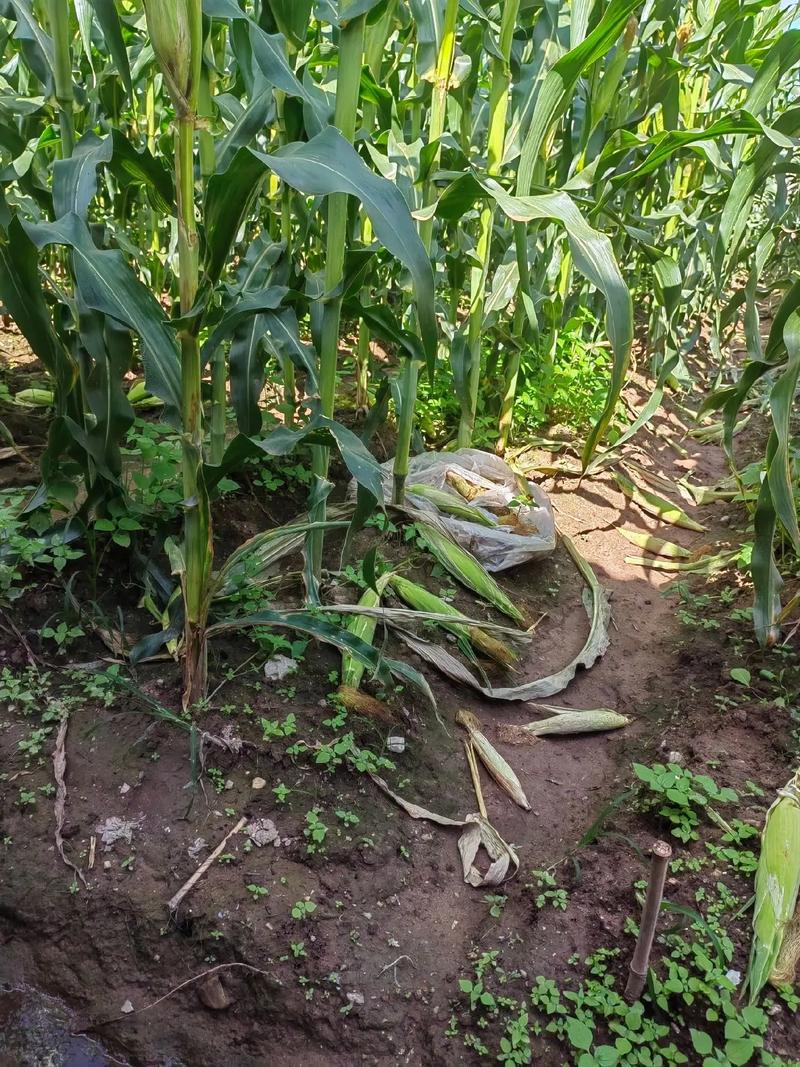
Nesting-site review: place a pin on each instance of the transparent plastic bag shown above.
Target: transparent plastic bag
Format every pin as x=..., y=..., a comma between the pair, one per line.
x=496, y=547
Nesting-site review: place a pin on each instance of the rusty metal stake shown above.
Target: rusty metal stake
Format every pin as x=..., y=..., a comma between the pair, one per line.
x=637, y=976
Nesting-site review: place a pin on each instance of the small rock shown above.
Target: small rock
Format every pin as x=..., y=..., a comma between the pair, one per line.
x=229, y=784
x=263, y=832
x=279, y=667
x=396, y=744
x=734, y=976
x=106, y=865
x=356, y=998
x=196, y=847
x=213, y=995
x=675, y=757
x=126, y=1008
x=124, y=788
x=258, y=783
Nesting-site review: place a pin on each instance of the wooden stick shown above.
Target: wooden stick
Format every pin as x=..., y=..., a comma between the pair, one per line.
x=476, y=778
x=174, y=901
x=637, y=975
x=92, y=850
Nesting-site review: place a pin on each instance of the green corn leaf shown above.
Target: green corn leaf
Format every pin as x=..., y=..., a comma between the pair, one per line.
x=594, y=257
x=109, y=22
x=329, y=164
x=107, y=284
x=781, y=402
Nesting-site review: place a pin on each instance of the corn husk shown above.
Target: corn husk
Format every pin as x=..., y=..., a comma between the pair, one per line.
x=566, y=721
x=494, y=763
x=785, y=970
x=466, y=569
x=451, y=505
x=421, y=599
x=462, y=486
x=777, y=885
x=477, y=833
x=363, y=627
x=169, y=27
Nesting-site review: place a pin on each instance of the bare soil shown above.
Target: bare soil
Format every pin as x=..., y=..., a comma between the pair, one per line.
x=394, y=925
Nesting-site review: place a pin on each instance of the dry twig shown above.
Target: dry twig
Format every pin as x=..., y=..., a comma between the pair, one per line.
x=174, y=901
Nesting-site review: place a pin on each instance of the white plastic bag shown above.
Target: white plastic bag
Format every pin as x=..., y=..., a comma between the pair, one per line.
x=496, y=547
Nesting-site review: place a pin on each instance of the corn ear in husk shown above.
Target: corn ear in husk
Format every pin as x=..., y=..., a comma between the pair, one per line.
x=40, y=398
x=466, y=569
x=494, y=763
x=421, y=599
x=656, y=505
x=363, y=627
x=566, y=721
x=656, y=545
x=785, y=970
x=777, y=885
x=451, y=505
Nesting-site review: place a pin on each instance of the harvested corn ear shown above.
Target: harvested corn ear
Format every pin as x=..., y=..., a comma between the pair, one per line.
x=494, y=763
x=451, y=505
x=777, y=885
x=362, y=626
x=565, y=722
x=656, y=545
x=421, y=599
x=466, y=569
x=363, y=704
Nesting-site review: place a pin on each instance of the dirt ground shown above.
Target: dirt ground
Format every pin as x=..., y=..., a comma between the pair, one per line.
x=375, y=980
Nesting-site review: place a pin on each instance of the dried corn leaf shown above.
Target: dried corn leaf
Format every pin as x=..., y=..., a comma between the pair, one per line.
x=494, y=763
x=656, y=545
x=59, y=808
x=477, y=831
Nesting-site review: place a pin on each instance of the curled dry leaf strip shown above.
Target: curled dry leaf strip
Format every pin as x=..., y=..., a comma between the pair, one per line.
x=59, y=807
x=477, y=832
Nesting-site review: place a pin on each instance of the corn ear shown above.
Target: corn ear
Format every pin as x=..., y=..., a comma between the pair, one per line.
x=40, y=398
x=462, y=486
x=450, y=505
x=494, y=763
x=656, y=505
x=363, y=704
x=785, y=970
x=466, y=569
x=363, y=627
x=564, y=722
x=656, y=545
x=421, y=599
x=777, y=885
